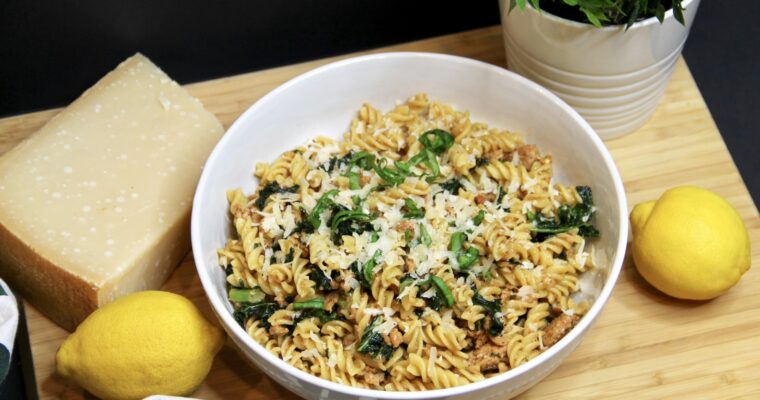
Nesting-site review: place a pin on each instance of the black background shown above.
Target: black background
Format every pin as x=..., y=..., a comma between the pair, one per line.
x=51, y=51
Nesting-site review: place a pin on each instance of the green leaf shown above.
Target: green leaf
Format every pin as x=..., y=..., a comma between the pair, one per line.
x=317, y=303
x=259, y=311
x=425, y=236
x=253, y=295
x=363, y=160
x=324, y=202
x=322, y=280
x=393, y=176
x=452, y=185
x=592, y=18
x=437, y=140
x=479, y=218
x=494, y=309
x=443, y=290
x=353, y=180
x=269, y=190
x=348, y=215
x=660, y=12
x=457, y=239
x=412, y=211
x=368, y=271
x=678, y=11
x=518, y=3
x=468, y=258
x=372, y=343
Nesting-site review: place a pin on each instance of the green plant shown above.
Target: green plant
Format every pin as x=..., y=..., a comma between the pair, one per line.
x=606, y=12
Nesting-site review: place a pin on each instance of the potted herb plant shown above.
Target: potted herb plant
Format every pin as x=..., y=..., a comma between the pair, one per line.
x=609, y=59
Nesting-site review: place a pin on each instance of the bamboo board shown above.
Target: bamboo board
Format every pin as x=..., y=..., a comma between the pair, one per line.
x=644, y=344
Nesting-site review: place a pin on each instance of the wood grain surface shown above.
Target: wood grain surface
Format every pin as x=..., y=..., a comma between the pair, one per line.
x=644, y=345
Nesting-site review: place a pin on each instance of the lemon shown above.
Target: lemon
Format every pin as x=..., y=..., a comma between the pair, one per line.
x=690, y=243
x=149, y=342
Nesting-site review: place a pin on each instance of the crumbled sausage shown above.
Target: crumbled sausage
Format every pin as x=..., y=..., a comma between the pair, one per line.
x=480, y=338
x=365, y=178
x=558, y=328
x=409, y=264
x=374, y=378
x=404, y=226
x=528, y=154
x=494, y=154
x=488, y=356
x=278, y=330
x=396, y=337
x=331, y=299
x=483, y=197
x=506, y=295
x=304, y=248
x=348, y=339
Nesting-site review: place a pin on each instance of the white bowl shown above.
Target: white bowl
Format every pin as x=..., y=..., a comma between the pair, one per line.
x=323, y=102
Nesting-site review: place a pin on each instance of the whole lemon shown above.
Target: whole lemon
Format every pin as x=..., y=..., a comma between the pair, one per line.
x=149, y=342
x=690, y=243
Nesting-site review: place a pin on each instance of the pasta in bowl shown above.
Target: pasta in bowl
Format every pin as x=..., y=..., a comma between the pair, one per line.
x=424, y=251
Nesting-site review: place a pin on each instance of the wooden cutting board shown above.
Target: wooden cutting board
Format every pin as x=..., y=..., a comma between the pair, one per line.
x=644, y=344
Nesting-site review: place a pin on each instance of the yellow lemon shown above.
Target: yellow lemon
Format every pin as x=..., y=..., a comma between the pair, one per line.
x=149, y=342
x=690, y=243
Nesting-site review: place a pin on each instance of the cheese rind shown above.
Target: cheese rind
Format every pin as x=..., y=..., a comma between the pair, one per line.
x=96, y=203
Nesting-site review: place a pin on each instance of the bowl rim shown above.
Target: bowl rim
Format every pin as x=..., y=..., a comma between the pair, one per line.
x=239, y=334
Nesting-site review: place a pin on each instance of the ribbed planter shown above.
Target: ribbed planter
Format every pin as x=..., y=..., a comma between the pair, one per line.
x=614, y=78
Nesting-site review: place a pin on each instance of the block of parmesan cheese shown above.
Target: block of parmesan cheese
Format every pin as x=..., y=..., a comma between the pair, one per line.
x=96, y=204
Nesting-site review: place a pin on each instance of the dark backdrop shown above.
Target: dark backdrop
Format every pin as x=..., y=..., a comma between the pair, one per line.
x=52, y=50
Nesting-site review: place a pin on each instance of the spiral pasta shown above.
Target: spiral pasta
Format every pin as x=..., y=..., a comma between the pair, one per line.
x=423, y=251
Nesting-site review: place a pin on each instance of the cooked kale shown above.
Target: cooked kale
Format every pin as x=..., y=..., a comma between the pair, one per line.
x=405, y=281
x=365, y=273
x=259, y=311
x=481, y=161
x=368, y=270
x=336, y=162
x=269, y=190
x=452, y=185
x=494, y=309
x=324, y=316
x=586, y=194
x=289, y=256
x=499, y=198
x=323, y=282
x=578, y=216
x=372, y=343
x=435, y=302
x=323, y=203
x=347, y=222
x=411, y=210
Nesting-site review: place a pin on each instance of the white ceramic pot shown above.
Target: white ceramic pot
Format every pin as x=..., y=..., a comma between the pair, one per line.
x=614, y=78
